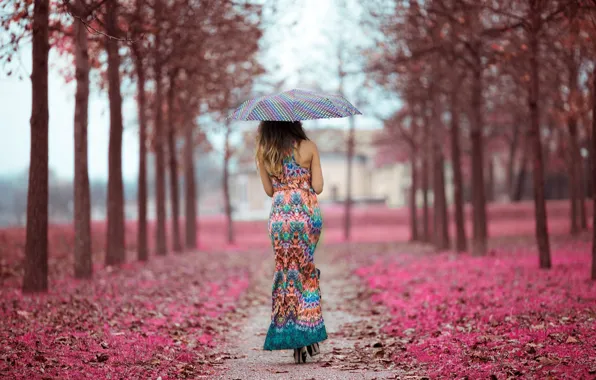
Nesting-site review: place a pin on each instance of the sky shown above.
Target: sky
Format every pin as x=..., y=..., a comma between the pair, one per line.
x=292, y=48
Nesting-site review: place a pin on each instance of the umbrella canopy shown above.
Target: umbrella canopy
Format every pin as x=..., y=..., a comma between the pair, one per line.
x=294, y=105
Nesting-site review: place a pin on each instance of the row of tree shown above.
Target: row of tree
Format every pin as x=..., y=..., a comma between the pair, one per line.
x=516, y=76
x=185, y=57
x=13, y=198
x=13, y=191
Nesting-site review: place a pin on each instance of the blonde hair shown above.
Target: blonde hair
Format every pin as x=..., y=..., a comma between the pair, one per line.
x=275, y=140
x=270, y=158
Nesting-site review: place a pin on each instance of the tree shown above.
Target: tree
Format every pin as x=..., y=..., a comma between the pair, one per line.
x=572, y=63
x=341, y=72
x=158, y=135
x=138, y=52
x=115, y=253
x=82, y=194
x=174, y=193
x=404, y=128
x=190, y=191
x=441, y=221
x=36, y=245
x=534, y=17
x=594, y=172
x=226, y=182
x=460, y=234
x=569, y=51
x=534, y=26
x=347, y=66
x=479, y=229
x=589, y=26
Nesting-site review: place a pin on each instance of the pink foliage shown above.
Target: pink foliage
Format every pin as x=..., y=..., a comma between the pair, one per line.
x=145, y=321
x=463, y=316
x=370, y=224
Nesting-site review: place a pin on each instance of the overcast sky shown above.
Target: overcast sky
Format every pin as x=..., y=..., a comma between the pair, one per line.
x=291, y=48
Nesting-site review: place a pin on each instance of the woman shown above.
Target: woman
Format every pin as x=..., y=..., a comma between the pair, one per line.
x=290, y=170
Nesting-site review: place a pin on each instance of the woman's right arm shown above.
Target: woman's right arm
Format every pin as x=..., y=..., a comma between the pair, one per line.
x=265, y=179
x=315, y=170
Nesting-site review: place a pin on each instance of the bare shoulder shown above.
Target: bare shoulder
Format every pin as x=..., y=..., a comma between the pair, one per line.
x=306, y=151
x=308, y=146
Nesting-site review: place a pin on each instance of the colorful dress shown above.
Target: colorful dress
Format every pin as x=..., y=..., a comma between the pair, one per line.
x=294, y=227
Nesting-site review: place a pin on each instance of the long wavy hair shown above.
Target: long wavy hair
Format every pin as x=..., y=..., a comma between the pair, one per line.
x=275, y=139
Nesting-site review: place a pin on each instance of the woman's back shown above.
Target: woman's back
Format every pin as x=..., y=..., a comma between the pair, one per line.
x=301, y=169
x=296, y=169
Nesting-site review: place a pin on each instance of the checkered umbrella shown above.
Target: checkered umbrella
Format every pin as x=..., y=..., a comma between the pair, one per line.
x=294, y=105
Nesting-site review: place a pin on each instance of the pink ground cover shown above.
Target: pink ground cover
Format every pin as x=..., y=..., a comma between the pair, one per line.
x=140, y=321
x=370, y=224
x=490, y=317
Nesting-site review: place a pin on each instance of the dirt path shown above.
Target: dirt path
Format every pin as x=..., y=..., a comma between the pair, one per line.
x=354, y=349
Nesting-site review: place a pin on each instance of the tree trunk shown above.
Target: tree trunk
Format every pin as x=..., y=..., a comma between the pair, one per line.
x=589, y=166
x=115, y=253
x=511, y=163
x=490, y=180
x=190, y=194
x=479, y=239
x=574, y=154
x=594, y=173
x=583, y=217
x=83, y=266
x=142, y=241
x=573, y=175
x=413, y=191
x=441, y=228
x=518, y=190
x=160, y=181
x=226, y=186
x=425, y=180
x=460, y=223
x=534, y=138
x=36, y=245
x=172, y=151
x=348, y=200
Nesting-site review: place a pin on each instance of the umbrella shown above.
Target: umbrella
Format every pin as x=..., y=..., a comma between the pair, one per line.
x=294, y=105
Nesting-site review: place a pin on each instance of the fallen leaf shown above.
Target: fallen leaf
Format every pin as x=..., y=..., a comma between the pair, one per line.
x=547, y=361
x=278, y=371
x=571, y=339
x=23, y=313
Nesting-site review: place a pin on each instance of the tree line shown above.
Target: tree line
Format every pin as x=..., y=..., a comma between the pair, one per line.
x=479, y=77
x=185, y=57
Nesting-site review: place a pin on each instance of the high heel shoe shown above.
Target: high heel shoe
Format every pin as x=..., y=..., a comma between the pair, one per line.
x=313, y=349
x=300, y=355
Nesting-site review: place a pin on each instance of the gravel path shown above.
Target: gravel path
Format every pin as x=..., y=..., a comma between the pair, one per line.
x=354, y=350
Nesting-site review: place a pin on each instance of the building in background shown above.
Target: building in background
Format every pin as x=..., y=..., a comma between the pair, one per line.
x=372, y=180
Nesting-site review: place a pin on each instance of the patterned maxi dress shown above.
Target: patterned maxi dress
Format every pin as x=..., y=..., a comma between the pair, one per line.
x=294, y=227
